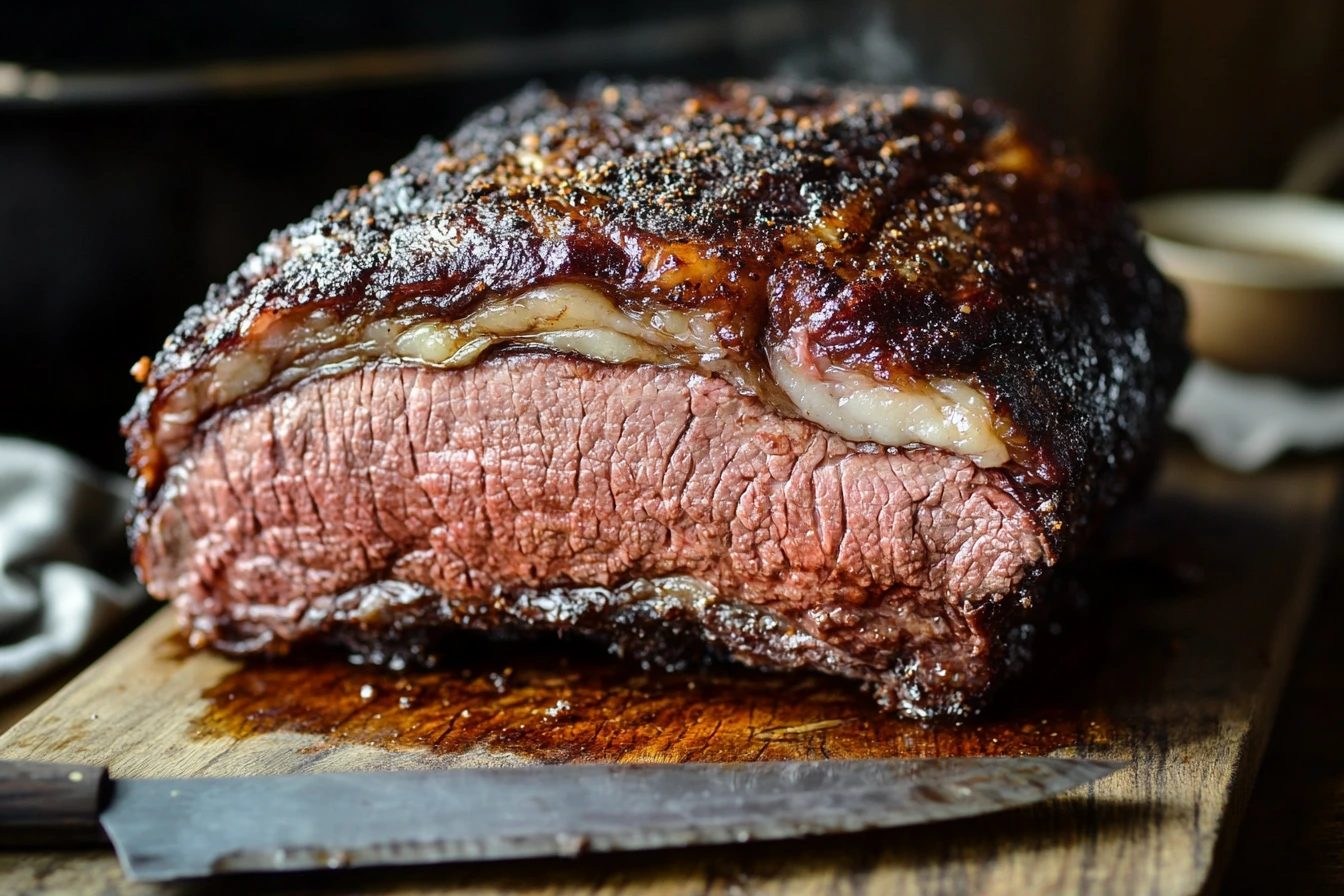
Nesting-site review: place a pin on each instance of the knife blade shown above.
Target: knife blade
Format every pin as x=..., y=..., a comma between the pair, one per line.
x=169, y=829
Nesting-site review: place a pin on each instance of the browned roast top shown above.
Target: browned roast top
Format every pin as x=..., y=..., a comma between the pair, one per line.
x=910, y=232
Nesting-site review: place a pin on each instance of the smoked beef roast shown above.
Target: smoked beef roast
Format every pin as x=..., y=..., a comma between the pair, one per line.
x=814, y=377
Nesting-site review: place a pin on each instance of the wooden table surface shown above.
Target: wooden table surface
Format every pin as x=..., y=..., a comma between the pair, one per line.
x=1292, y=839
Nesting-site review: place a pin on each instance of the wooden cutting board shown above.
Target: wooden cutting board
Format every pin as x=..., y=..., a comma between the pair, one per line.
x=1172, y=658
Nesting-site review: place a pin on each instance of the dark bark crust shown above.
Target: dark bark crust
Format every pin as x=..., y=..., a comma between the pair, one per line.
x=911, y=232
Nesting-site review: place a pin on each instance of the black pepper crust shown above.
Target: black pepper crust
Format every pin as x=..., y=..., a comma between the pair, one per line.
x=911, y=233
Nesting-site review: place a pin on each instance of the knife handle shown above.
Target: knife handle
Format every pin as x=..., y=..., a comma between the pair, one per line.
x=49, y=804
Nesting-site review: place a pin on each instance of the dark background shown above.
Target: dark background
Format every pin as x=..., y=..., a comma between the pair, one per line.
x=120, y=201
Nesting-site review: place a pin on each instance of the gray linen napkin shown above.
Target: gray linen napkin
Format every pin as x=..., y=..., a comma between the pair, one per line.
x=64, y=574
x=1244, y=422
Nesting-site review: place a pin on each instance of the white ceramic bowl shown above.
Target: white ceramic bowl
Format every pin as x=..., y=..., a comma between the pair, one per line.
x=1264, y=276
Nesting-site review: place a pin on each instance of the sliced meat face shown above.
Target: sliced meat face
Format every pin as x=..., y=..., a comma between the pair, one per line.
x=551, y=491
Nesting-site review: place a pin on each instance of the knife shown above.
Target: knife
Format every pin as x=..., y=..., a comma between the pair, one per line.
x=166, y=829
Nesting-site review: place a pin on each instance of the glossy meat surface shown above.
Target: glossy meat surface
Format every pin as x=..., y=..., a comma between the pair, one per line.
x=900, y=233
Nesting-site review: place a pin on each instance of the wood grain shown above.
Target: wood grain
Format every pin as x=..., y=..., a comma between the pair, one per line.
x=1292, y=839
x=1188, y=670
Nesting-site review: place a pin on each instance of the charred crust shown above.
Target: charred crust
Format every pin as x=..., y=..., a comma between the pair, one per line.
x=911, y=232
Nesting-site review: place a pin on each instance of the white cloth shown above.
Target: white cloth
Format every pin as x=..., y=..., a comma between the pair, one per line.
x=1245, y=422
x=64, y=575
